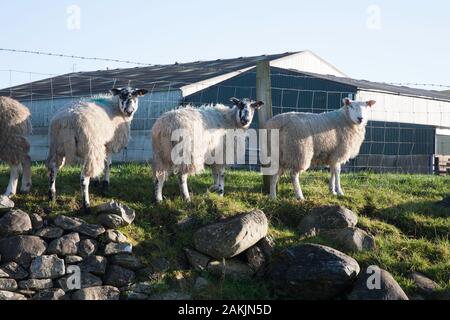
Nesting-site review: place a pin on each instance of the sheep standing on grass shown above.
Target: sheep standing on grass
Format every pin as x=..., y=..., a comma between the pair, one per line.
x=15, y=126
x=205, y=127
x=91, y=130
x=330, y=138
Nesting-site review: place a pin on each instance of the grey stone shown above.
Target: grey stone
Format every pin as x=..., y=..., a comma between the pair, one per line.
x=111, y=221
x=8, y=285
x=197, y=260
x=78, y=225
x=267, y=245
x=186, y=223
x=27, y=293
x=15, y=222
x=72, y=259
x=313, y=272
x=127, y=261
x=21, y=249
x=116, y=248
x=50, y=294
x=425, y=286
x=66, y=245
x=160, y=264
x=115, y=236
x=131, y=295
x=36, y=221
x=48, y=266
x=13, y=270
x=142, y=287
x=36, y=284
x=113, y=207
x=200, y=284
x=49, y=232
x=87, y=247
x=6, y=204
x=118, y=277
x=388, y=289
x=231, y=268
x=256, y=259
x=327, y=218
x=350, y=239
x=229, y=237
x=94, y=264
x=8, y=295
x=97, y=293
x=88, y=280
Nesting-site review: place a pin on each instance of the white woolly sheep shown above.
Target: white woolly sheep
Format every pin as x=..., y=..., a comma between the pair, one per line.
x=91, y=130
x=205, y=127
x=15, y=126
x=330, y=139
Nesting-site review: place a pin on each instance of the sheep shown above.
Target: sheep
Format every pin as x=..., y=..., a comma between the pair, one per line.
x=91, y=129
x=15, y=127
x=205, y=127
x=330, y=139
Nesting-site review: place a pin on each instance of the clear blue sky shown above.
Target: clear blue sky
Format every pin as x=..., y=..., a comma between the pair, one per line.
x=410, y=45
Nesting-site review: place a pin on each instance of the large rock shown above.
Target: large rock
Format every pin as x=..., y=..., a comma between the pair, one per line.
x=8, y=285
x=50, y=294
x=94, y=264
x=118, y=277
x=377, y=284
x=425, y=286
x=48, y=266
x=116, y=248
x=78, y=225
x=113, y=207
x=14, y=223
x=112, y=235
x=21, y=249
x=127, y=261
x=313, y=272
x=8, y=295
x=72, y=259
x=350, y=239
x=232, y=268
x=49, y=232
x=111, y=221
x=88, y=280
x=256, y=259
x=13, y=270
x=66, y=245
x=327, y=218
x=6, y=204
x=36, y=284
x=228, y=238
x=36, y=221
x=97, y=293
x=87, y=247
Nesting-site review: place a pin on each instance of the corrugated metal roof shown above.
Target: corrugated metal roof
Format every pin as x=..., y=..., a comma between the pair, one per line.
x=156, y=78
x=378, y=86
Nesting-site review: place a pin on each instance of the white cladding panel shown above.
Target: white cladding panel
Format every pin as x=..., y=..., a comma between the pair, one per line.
x=395, y=108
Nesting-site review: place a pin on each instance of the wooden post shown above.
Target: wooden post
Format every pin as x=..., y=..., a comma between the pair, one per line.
x=264, y=93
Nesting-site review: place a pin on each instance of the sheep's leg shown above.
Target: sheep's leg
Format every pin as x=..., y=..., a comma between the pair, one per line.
x=333, y=179
x=297, y=188
x=13, y=180
x=338, y=180
x=273, y=185
x=218, y=173
x=84, y=182
x=26, y=176
x=182, y=178
x=53, y=171
x=107, y=171
x=160, y=179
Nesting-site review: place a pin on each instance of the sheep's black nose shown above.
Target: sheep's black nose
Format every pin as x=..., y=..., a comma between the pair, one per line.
x=360, y=120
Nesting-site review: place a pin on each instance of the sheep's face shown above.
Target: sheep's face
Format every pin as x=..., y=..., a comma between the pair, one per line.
x=128, y=99
x=358, y=111
x=246, y=110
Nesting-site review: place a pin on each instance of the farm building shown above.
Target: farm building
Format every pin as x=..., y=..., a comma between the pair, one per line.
x=408, y=126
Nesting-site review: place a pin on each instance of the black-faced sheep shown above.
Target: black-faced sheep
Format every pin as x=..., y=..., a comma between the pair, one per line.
x=330, y=139
x=203, y=132
x=15, y=126
x=91, y=130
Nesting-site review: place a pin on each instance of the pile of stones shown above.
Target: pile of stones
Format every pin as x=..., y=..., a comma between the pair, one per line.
x=40, y=256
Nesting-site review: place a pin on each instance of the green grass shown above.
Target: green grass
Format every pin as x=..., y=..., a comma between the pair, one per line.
x=411, y=231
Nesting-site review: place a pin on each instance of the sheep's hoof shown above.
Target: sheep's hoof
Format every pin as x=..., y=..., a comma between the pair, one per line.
x=87, y=209
x=105, y=185
x=24, y=191
x=340, y=194
x=216, y=189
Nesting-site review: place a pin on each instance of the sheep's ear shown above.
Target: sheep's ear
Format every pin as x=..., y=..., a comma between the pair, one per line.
x=347, y=101
x=140, y=92
x=370, y=103
x=236, y=101
x=115, y=91
x=257, y=104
